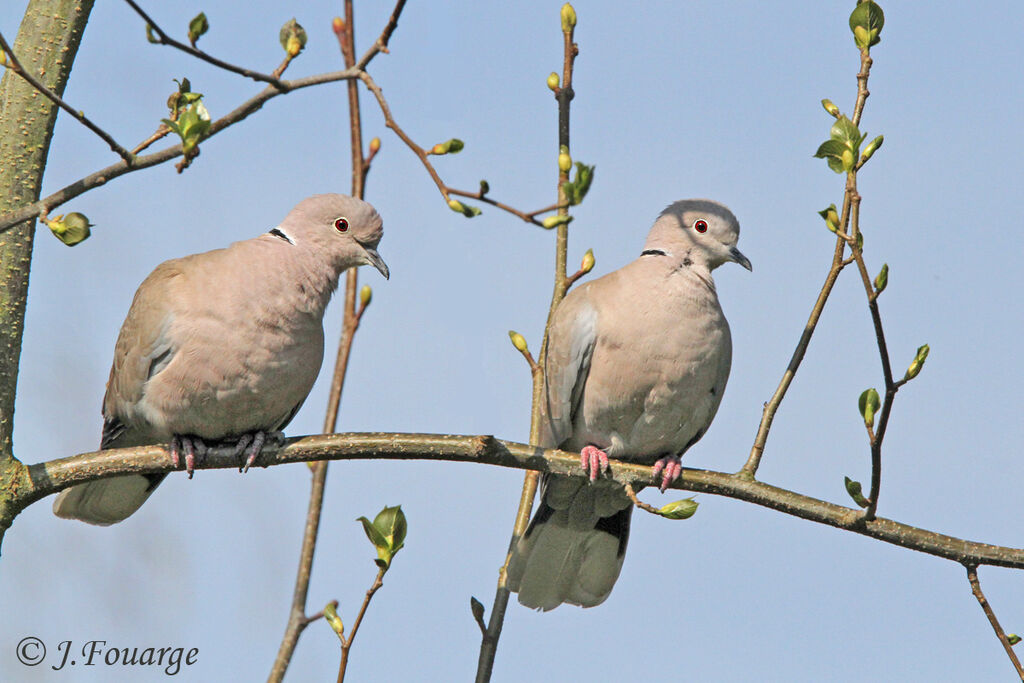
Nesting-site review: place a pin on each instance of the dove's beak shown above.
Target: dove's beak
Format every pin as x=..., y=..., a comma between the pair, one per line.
x=737, y=257
x=374, y=259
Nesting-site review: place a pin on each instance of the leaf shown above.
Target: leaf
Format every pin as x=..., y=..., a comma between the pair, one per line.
x=856, y=492
x=832, y=152
x=680, y=509
x=845, y=130
x=376, y=538
x=918, y=363
x=869, y=403
x=197, y=27
x=882, y=279
x=869, y=18
x=292, y=37
x=831, y=217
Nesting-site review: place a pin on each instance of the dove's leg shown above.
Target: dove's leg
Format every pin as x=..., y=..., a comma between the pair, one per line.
x=669, y=468
x=255, y=442
x=190, y=446
x=594, y=461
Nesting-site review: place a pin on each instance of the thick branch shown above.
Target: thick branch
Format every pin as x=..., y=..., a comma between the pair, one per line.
x=46, y=478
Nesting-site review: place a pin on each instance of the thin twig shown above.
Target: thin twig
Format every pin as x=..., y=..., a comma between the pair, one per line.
x=424, y=157
x=98, y=178
x=972, y=576
x=489, y=641
x=165, y=39
x=352, y=317
x=17, y=68
x=346, y=643
x=631, y=494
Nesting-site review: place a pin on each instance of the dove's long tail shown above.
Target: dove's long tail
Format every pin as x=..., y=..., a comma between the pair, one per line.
x=572, y=552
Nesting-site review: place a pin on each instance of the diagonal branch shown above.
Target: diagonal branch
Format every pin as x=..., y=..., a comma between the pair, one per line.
x=972, y=576
x=16, y=66
x=94, y=180
x=164, y=39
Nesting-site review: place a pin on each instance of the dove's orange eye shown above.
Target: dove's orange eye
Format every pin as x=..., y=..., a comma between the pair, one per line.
x=701, y=225
x=341, y=224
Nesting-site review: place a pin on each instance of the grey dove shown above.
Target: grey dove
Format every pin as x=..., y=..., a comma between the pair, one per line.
x=636, y=365
x=222, y=348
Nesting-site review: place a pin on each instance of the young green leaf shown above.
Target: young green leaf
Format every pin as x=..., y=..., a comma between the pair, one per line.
x=292, y=37
x=555, y=221
x=333, y=619
x=882, y=279
x=833, y=151
x=915, y=365
x=855, y=491
x=869, y=404
x=197, y=27
x=1013, y=638
x=680, y=509
x=831, y=217
x=866, y=22
x=71, y=229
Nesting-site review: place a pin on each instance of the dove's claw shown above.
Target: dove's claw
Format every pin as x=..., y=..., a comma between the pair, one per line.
x=255, y=442
x=594, y=461
x=190, y=447
x=669, y=468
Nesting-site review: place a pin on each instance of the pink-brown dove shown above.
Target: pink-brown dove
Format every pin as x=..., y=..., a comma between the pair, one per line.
x=223, y=347
x=636, y=365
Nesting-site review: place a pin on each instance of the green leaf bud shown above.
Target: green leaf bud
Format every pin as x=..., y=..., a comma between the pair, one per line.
x=680, y=509
x=568, y=18
x=856, y=492
x=197, y=27
x=882, y=279
x=869, y=404
x=292, y=37
x=830, y=107
x=556, y=220
x=831, y=217
x=918, y=363
x=518, y=341
x=553, y=81
x=71, y=229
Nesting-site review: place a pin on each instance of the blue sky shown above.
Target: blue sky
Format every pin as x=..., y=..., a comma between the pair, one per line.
x=674, y=100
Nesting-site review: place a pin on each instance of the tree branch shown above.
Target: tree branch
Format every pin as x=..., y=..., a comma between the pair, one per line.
x=43, y=479
x=94, y=180
x=17, y=68
x=164, y=39
x=972, y=576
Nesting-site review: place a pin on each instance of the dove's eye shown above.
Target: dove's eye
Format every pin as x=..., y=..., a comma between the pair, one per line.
x=341, y=224
x=700, y=225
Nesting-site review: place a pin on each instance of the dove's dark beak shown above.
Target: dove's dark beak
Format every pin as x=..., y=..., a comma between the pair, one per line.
x=374, y=259
x=737, y=257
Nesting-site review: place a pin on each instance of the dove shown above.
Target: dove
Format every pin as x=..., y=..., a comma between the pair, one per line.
x=636, y=365
x=222, y=348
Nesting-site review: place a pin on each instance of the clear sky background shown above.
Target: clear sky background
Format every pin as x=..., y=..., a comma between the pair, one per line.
x=674, y=100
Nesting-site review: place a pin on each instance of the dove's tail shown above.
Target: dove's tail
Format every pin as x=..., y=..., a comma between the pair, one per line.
x=106, y=501
x=574, y=547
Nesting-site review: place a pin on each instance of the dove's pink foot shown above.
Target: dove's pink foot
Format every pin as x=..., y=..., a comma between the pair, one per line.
x=594, y=461
x=255, y=442
x=190, y=446
x=669, y=468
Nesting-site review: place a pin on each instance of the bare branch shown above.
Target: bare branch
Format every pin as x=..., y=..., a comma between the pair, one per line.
x=93, y=180
x=972, y=576
x=346, y=643
x=17, y=68
x=165, y=39
x=43, y=479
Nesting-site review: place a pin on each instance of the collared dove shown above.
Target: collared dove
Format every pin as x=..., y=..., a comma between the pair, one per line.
x=223, y=347
x=636, y=365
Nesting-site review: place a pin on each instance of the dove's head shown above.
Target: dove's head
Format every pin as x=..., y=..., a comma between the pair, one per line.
x=345, y=229
x=700, y=230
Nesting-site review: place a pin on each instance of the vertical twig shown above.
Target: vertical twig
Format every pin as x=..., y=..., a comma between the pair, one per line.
x=489, y=642
x=972, y=576
x=297, y=620
x=346, y=643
